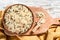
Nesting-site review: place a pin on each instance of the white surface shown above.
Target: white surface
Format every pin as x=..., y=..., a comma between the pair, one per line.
x=52, y=6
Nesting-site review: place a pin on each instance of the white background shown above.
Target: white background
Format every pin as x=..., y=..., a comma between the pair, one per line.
x=52, y=6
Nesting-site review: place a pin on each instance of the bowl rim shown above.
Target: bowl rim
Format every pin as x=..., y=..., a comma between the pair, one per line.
x=4, y=26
